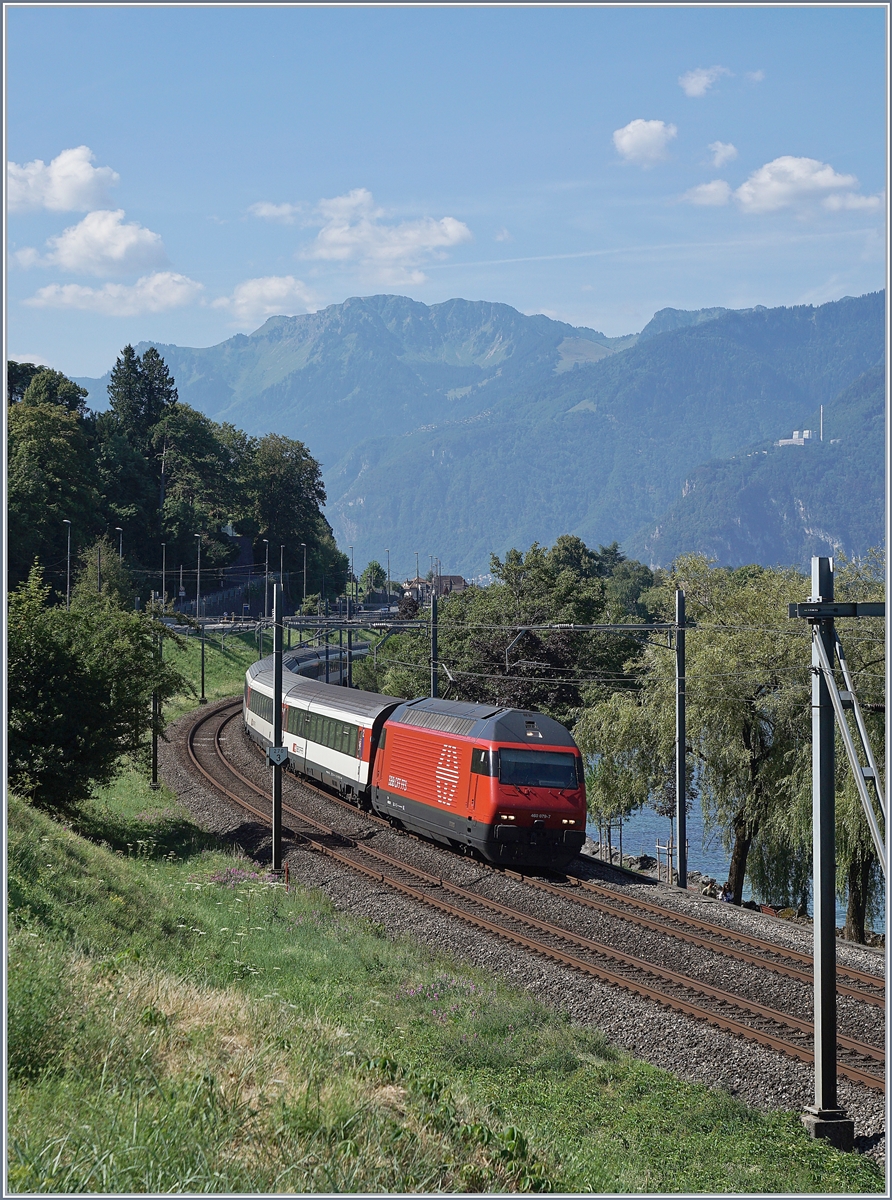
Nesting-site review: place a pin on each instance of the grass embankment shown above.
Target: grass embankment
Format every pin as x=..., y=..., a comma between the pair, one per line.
x=177, y=1023
x=226, y=658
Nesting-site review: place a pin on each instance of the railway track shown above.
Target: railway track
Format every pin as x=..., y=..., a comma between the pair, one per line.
x=857, y=1060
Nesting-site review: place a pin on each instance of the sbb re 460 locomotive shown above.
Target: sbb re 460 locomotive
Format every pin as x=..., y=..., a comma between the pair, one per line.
x=501, y=782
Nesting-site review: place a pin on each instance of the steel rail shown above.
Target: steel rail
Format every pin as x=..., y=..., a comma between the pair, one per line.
x=649, y=991
x=716, y=941
x=620, y=956
x=718, y=938
x=722, y=930
x=614, y=904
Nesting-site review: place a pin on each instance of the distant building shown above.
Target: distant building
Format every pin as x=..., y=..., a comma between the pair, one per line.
x=798, y=439
x=420, y=589
x=450, y=583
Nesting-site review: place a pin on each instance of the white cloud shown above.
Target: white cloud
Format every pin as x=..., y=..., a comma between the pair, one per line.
x=353, y=230
x=755, y=76
x=841, y=201
x=152, y=293
x=712, y=194
x=39, y=359
x=699, y=81
x=789, y=181
x=722, y=152
x=644, y=142
x=272, y=295
x=286, y=213
x=100, y=244
x=68, y=184
x=503, y=236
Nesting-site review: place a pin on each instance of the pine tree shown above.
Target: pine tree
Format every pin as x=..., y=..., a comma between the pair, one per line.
x=158, y=391
x=125, y=393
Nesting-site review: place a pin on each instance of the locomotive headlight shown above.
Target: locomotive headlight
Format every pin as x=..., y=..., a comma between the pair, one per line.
x=568, y=822
x=505, y=817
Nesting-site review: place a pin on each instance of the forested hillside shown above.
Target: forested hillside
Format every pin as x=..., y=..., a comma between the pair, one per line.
x=466, y=428
x=782, y=504
x=373, y=365
x=604, y=450
x=150, y=475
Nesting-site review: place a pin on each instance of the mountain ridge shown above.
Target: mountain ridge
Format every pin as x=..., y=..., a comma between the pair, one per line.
x=468, y=427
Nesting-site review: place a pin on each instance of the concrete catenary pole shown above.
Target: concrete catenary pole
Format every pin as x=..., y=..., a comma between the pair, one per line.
x=155, y=785
x=278, y=612
x=203, y=698
x=349, y=646
x=434, y=663
x=266, y=581
x=681, y=779
x=68, y=566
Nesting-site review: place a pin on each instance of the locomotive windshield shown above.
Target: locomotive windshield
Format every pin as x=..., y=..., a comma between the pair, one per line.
x=537, y=768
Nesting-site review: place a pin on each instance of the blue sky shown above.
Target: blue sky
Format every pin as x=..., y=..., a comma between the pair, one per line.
x=179, y=174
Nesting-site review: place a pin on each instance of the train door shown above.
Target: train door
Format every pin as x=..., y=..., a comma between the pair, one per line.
x=472, y=794
x=479, y=788
x=294, y=736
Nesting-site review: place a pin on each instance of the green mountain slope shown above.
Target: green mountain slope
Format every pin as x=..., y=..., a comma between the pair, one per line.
x=782, y=504
x=602, y=451
x=374, y=365
x=467, y=427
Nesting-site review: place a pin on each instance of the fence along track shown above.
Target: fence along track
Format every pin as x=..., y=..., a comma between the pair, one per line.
x=860, y=1062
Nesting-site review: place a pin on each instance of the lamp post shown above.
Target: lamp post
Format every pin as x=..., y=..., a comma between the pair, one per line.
x=203, y=699
x=163, y=573
x=120, y=533
x=387, y=580
x=417, y=580
x=304, y=545
x=266, y=581
x=68, y=567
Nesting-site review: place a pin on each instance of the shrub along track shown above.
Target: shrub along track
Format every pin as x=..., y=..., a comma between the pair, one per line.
x=745, y=1017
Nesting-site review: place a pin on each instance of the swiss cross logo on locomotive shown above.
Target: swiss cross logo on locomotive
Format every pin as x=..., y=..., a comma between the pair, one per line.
x=447, y=775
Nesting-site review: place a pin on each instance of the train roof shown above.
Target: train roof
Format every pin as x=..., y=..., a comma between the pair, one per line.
x=349, y=701
x=489, y=722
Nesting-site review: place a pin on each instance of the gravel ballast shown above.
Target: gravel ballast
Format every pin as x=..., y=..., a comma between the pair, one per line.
x=693, y=1051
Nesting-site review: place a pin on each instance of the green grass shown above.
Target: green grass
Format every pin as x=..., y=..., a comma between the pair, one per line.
x=178, y=1023
x=226, y=658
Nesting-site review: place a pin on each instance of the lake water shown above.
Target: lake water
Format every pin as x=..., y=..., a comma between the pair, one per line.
x=706, y=854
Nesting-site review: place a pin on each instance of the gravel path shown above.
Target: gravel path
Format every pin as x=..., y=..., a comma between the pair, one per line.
x=759, y=1076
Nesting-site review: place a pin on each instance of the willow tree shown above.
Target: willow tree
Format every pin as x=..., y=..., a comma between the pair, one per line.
x=858, y=873
x=747, y=704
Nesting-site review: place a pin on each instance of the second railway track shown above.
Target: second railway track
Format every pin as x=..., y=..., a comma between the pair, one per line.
x=859, y=1060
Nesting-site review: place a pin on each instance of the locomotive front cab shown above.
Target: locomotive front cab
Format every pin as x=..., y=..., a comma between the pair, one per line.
x=528, y=791
x=535, y=800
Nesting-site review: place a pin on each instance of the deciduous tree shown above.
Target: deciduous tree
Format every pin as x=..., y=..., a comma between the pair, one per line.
x=79, y=692
x=491, y=649
x=50, y=480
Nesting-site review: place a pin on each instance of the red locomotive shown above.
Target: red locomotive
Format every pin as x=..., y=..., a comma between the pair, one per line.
x=497, y=781
x=500, y=781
